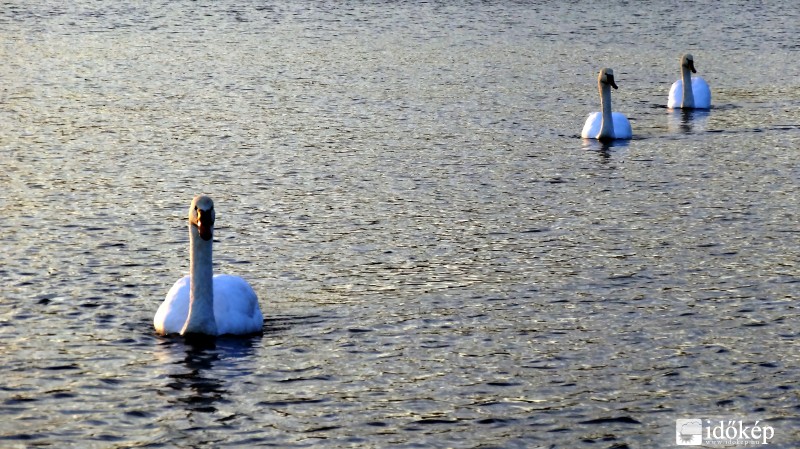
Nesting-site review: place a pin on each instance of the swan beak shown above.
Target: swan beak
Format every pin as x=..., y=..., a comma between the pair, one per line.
x=205, y=225
x=610, y=81
x=691, y=66
x=205, y=231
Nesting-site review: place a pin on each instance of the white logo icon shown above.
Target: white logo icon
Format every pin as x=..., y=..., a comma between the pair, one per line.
x=688, y=432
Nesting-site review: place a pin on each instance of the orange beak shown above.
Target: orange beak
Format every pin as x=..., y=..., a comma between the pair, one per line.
x=205, y=225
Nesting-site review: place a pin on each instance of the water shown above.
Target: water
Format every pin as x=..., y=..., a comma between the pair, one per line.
x=443, y=262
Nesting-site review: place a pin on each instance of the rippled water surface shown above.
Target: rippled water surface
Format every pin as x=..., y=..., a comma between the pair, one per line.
x=443, y=262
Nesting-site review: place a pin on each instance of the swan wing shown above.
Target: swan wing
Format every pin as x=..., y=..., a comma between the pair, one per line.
x=236, y=306
x=592, y=126
x=622, y=127
x=701, y=92
x=676, y=95
x=172, y=313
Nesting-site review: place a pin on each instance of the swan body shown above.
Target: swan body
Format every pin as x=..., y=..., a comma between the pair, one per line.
x=622, y=127
x=236, y=308
x=689, y=92
x=202, y=303
x=606, y=124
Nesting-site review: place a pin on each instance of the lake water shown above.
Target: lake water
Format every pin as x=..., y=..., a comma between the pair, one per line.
x=442, y=261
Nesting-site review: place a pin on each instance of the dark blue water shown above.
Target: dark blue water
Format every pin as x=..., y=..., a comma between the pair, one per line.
x=442, y=261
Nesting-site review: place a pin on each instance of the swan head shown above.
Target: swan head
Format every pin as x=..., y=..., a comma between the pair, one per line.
x=606, y=76
x=201, y=216
x=688, y=61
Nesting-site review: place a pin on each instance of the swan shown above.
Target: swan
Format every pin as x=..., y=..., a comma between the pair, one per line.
x=606, y=125
x=201, y=303
x=696, y=97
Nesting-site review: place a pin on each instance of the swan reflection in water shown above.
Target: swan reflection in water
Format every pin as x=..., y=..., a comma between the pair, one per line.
x=200, y=370
x=204, y=363
x=605, y=148
x=688, y=120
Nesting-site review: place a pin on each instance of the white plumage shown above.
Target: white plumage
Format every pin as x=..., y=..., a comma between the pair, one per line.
x=236, y=309
x=622, y=127
x=698, y=94
x=201, y=303
x=606, y=125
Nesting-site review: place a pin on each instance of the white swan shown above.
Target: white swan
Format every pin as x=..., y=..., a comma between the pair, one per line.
x=606, y=125
x=201, y=303
x=689, y=92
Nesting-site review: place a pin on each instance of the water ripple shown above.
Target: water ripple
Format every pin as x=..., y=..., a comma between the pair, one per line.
x=442, y=261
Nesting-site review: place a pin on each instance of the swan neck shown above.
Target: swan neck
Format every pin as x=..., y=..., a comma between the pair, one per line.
x=201, y=300
x=607, y=123
x=688, y=94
